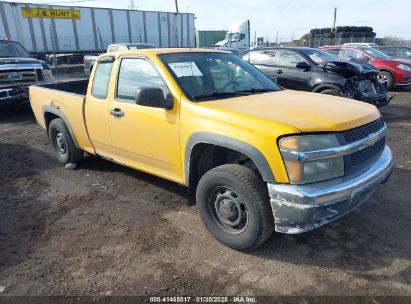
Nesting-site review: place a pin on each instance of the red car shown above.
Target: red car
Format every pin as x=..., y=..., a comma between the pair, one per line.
x=393, y=72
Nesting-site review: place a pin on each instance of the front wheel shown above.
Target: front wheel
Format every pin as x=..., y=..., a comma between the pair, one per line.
x=234, y=206
x=386, y=78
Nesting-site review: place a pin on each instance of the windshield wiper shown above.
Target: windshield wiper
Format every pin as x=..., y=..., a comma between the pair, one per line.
x=221, y=94
x=256, y=90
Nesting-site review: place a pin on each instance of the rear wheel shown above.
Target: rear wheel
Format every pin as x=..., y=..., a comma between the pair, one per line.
x=386, y=78
x=234, y=206
x=63, y=144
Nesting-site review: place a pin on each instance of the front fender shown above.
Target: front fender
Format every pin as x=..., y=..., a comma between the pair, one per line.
x=231, y=143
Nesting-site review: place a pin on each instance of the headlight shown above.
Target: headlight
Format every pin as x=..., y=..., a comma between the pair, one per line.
x=404, y=67
x=304, y=172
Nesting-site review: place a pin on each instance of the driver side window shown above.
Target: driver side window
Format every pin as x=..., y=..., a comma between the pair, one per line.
x=290, y=59
x=135, y=73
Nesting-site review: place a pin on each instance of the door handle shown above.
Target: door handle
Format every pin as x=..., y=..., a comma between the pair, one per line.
x=117, y=112
x=280, y=71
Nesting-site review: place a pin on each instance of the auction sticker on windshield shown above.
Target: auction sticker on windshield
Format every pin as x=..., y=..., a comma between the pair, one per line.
x=185, y=69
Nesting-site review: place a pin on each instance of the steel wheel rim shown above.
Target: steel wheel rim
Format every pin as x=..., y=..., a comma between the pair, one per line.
x=60, y=143
x=228, y=210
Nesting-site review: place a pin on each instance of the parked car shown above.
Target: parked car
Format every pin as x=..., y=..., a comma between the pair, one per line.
x=89, y=60
x=395, y=51
x=313, y=70
x=361, y=44
x=255, y=158
x=59, y=59
x=229, y=49
x=18, y=70
x=393, y=72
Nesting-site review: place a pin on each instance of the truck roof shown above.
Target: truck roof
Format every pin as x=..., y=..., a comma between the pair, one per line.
x=167, y=51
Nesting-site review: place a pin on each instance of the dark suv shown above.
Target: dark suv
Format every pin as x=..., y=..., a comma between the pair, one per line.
x=313, y=70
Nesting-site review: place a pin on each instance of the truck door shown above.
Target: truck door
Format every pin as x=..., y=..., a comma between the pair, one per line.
x=288, y=75
x=145, y=137
x=96, y=107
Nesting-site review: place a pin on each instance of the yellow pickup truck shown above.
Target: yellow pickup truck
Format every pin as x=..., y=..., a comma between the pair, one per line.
x=255, y=158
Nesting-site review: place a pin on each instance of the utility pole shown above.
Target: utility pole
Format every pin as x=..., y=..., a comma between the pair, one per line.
x=132, y=7
x=335, y=16
x=176, y=1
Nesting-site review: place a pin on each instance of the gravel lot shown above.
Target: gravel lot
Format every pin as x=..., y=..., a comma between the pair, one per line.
x=104, y=229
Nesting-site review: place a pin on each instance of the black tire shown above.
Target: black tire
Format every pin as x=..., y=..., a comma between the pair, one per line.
x=386, y=78
x=241, y=197
x=331, y=92
x=63, y=144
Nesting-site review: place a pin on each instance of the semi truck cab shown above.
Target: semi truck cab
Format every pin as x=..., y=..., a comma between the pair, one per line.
x=237, y=37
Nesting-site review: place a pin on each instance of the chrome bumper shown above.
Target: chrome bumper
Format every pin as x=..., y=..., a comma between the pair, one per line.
x=13, y=95
x=300, y=208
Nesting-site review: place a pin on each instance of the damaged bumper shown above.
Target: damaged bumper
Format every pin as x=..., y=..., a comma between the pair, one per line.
x=378, y=101
x=300, y=208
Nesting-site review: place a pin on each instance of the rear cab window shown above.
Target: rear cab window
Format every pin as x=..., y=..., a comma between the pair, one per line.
x=101, y=80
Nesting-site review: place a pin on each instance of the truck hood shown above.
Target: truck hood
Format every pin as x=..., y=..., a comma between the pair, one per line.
x=307, y=112
x=16, y=63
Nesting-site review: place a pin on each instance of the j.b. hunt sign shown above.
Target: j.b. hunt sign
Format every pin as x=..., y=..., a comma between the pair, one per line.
x=29, y=12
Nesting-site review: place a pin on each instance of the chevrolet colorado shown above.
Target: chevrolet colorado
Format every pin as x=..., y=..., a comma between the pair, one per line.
x=255, y=158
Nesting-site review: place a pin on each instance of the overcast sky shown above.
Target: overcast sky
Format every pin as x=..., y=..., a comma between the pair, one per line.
x=288, y=17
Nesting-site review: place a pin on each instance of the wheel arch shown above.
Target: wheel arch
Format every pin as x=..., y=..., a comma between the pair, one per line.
x=51, y=113
x=326, y=86
x=198, y=141
x=389, y=71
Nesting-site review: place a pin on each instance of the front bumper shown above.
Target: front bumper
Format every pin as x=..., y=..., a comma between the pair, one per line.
x=300, y=208
x=13, y=95
x=378, y=101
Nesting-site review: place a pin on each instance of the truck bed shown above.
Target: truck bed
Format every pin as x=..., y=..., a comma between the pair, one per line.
x=78, y=87
x=65, y=100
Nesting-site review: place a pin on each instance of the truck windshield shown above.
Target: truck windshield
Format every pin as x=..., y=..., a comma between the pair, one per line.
x=12, y=49
x=208, y=76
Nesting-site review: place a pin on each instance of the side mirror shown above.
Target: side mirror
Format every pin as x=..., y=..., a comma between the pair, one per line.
x=154, y=97
x=303, y=65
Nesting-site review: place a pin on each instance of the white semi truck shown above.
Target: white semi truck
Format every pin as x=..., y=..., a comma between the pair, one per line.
x=238, y=36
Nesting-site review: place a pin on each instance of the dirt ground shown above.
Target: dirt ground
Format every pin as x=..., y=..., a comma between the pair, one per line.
x=104, y=229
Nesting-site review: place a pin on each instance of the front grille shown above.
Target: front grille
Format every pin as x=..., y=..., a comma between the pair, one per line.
x=363, y=131
x=361, y=158
x=11, y=78
x=371, y=88
x=367, y=88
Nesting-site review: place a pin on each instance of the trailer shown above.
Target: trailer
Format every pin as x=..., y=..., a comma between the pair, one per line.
x=45, y=29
